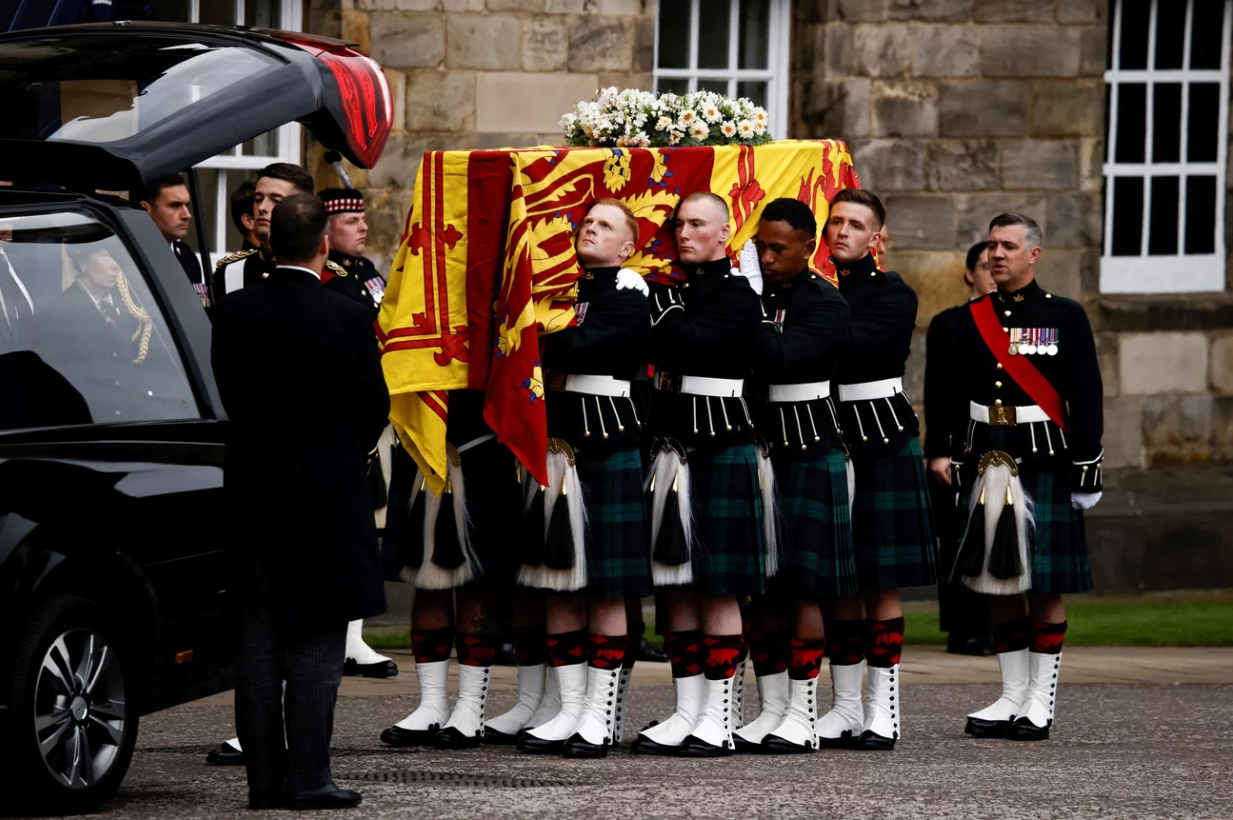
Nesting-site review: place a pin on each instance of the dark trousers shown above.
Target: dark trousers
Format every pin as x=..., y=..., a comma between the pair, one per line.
x=311, y=661
x=960, y=610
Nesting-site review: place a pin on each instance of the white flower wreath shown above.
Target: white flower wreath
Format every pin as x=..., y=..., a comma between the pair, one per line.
x=619, y=118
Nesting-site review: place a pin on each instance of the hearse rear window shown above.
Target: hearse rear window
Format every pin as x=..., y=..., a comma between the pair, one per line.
x=104, y=88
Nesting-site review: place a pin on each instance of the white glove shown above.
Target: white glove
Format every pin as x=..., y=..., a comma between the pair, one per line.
x=749, y=266
x=1084, y=501
x=632, y=280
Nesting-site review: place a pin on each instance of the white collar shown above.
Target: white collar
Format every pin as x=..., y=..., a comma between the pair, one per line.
x=315, y=273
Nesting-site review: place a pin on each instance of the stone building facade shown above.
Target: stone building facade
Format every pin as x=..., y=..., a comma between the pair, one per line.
x=955, y=110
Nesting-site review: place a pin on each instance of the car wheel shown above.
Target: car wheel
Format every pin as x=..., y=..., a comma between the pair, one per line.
x=72, y=720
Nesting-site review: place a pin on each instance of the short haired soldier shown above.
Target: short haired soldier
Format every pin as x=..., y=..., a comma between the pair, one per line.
x=167, y=202
x=238, y=270
x=355, y=275
x=796, y=356
x=242, y=199
x=1028, y=403
x=892, y=528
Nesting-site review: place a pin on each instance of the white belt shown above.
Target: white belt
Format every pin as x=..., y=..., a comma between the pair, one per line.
x=596, y=385
x=1006, y=415
x=868, y=391
x=799, y=392
x=702, y=386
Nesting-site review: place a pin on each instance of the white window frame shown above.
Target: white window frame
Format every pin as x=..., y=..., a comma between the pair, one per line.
x=1180, y=273
x=291, y=14
x=775, y=75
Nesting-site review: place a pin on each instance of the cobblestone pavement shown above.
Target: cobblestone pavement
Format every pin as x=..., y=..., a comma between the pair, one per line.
x=1158, y=745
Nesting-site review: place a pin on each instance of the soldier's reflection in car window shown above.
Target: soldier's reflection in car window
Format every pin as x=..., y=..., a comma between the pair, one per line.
x=87, y=343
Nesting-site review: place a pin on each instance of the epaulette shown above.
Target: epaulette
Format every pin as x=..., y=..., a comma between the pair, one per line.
x=334, y=266
x=234, y=257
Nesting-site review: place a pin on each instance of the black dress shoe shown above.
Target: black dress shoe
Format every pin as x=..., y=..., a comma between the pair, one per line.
x=495, y=738
x=643, y=745
x=847, y=740
x=773, y=745
x=1024, y=729
x=646, y=652
x=452, y=738
x=397, y=736
x=744, y=747
x=380, y=669
x=332, y=798
x=532, y=745
x=225, y=755
x=697, y=747
x=871, y=741
x=578, y=747
x=259, y=801
x=978, y=727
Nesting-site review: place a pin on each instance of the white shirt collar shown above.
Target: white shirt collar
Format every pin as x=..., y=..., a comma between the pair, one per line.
x=315, y=273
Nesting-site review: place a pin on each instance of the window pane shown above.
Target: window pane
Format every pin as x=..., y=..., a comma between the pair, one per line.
x=1162, y=240
x=1202, y=127
x=754, y=90
x=265, y=145
x=674, y=34
x=1200, y=215
x=1170, y=32
x=718, y=86
x=1205, y=37
x=755, y=33
x=264, y=13
x=1131, y=118
x=221, y=12
x=665, y=85
x=1135, y=16
x=1167, y=123
x=714, y=34
x=74, y=349
x=1127, y=215
x=172, y=11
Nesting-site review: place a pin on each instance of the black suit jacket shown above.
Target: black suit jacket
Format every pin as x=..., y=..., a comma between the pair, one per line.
x=299, y=374
x=189, y=261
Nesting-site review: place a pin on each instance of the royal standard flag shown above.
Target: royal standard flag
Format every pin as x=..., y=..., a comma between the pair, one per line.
x=487, y=265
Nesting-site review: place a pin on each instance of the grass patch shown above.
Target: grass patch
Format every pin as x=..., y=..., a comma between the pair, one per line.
x=1176, y=619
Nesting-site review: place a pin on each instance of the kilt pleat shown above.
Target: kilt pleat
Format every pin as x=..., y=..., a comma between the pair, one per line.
x=815, y=526
x=727, y=508
x=618, y=553
x=1060, y=559
x=892, y=524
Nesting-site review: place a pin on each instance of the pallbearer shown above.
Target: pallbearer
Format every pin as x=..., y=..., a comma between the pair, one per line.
x=795, y=359
x=708, y=543
x=891, y=525
x=585, y=541
x=1029, y=402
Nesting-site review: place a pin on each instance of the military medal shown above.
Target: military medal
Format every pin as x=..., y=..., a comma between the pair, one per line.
x=780, y=316
x=1028, y=348
x=1040, y=341
x=1014, y=341
x=1051, y=349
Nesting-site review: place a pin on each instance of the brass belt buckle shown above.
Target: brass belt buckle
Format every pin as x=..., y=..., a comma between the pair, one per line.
x=1002, y=415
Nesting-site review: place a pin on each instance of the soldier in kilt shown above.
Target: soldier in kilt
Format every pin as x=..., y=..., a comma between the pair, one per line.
x=1028, y=401
x=803, y=331
x=705, y=486
x=585, y=539
x=892, y=528
x=450, y=547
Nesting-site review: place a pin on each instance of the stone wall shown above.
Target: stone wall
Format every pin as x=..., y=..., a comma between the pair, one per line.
x=481, y=74
x=956, y=110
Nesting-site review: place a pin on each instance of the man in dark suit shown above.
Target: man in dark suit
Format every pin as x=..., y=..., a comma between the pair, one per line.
x=167, y=202
x=297, y=493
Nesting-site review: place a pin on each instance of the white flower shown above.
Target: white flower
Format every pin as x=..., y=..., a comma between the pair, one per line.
x=710, y=113
x=663, y=124
x=674, y=137
x=699, y=131
x=688, y=117
x=640, y=140
x=569, y=122
x=746, y=129
x=728, y=129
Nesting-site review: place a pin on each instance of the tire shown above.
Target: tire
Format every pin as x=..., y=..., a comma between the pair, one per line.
x=73, y=689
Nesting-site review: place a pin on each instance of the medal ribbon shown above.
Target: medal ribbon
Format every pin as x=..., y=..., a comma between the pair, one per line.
x=1019, y=368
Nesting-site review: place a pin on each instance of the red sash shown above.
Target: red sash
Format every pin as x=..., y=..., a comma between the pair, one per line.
x=1019, y=368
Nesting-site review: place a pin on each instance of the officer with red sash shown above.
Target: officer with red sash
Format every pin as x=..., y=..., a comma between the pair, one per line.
x=1029, y=403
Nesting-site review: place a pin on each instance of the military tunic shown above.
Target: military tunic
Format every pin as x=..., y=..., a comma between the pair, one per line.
x=357, y=278
x=892, y=526
x=801, y=344
x=241, y=269
x=1054, y=335
x=707, y=328
x=604, y=431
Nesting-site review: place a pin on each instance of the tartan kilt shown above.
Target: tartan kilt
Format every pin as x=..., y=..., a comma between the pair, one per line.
x=1060, y=561
x=618, y=552
x=490, y=473
x=892, y=523
x=818, y=559
x=727, y=511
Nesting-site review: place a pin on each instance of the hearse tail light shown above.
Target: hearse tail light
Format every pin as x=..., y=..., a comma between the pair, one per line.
x=364, y=90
